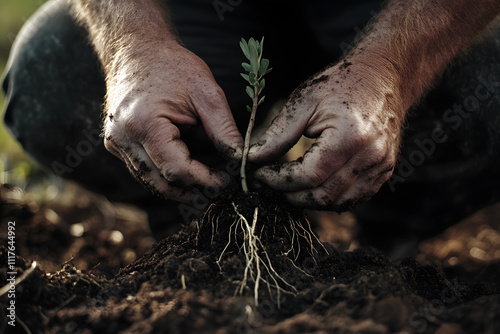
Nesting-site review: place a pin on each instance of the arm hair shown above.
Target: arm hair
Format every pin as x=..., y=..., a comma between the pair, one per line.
x=410, y=43
x=118, y=29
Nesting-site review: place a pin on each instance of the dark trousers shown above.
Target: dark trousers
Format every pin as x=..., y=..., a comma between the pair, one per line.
x=448, y=167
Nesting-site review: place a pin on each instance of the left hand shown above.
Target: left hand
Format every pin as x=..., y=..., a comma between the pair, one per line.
x=357, y=121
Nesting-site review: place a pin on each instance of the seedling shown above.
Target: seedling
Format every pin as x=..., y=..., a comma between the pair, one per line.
x=256, y=70
x=249, y=234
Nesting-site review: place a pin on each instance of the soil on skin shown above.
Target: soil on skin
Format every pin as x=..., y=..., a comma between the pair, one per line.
x=178, y=287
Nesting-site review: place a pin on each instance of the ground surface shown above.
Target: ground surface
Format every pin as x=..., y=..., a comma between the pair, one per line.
x=176, y=285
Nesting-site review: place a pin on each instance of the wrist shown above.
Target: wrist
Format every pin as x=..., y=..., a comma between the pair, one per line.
x=372, y=79
x=134, y=56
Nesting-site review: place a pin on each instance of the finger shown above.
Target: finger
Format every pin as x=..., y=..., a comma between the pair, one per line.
x=112, y=147
x=343, y=190
x=219, y=124
x=284, y=132
x=318, y=163
x=374, y=161
x=145, y=171
x=148, y=173
x=325, y=196
x=365, y=186
x=129, y=156
x=171, y=157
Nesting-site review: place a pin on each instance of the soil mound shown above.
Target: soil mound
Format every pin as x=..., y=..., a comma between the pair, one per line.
x=191, y=282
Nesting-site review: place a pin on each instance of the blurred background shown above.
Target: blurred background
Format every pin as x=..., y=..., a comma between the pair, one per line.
x=16, y=168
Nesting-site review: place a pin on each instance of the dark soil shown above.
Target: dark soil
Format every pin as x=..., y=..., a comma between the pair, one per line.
x=178, y=287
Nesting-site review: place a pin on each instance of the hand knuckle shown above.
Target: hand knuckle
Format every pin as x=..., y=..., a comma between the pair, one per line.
x=109, y=145
x=174, y=172
x=132, y=125
x=169, y=171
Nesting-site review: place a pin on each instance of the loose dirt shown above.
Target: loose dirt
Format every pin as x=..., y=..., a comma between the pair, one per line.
x=99, y=272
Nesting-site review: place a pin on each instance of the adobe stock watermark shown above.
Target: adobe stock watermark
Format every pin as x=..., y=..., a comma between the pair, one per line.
x=74, y=155
x=223, y=6
x=11, y=274
x=453, y=118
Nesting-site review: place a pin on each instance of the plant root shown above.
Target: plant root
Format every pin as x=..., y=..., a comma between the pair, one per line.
x=266, y=234
x=256, y=258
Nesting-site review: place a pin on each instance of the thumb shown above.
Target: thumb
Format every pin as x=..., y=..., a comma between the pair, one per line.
x=284, y=132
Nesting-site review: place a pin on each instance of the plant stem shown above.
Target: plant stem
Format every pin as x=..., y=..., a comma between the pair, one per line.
x=246, y=148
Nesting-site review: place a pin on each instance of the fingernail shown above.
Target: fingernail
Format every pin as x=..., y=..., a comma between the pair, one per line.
x=255, y=147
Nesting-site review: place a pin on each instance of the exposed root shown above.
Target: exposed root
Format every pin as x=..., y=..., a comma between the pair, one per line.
x=256, y=264
x=299, y=231
x=266, y=234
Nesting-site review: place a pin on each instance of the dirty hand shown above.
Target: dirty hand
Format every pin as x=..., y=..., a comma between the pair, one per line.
x=358, y=130
x=149, y=95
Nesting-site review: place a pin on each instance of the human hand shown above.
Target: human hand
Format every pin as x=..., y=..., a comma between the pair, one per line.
x=150, y=92
x=357, y=121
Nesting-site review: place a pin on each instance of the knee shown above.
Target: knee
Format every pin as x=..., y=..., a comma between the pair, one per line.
x=52, y=80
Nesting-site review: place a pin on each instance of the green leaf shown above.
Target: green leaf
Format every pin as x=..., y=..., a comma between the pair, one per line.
x=252, y=80
x=249, y=109
x=261, y=100
x=245, y=76
x=255, y=67
x=250, y=92
x=244, y=48
x=252, y=43
x=246, y=67
x=254, y=56
x=261, y=47
x=264, y=65
x=269, y=70
x=262, y=84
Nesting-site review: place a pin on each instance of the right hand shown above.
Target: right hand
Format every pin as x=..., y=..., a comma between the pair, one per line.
x=357, y=123
x=151, y=90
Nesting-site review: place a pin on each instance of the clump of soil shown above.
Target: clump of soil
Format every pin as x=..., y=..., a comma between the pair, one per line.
x=183, y=285
x=225, y=264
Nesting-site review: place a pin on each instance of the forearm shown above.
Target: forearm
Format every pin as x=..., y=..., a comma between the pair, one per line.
x=412, y=42
x=121, y=30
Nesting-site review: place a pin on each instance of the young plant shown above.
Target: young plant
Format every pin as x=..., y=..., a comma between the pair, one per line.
x=248, y=234
x=256, y=70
